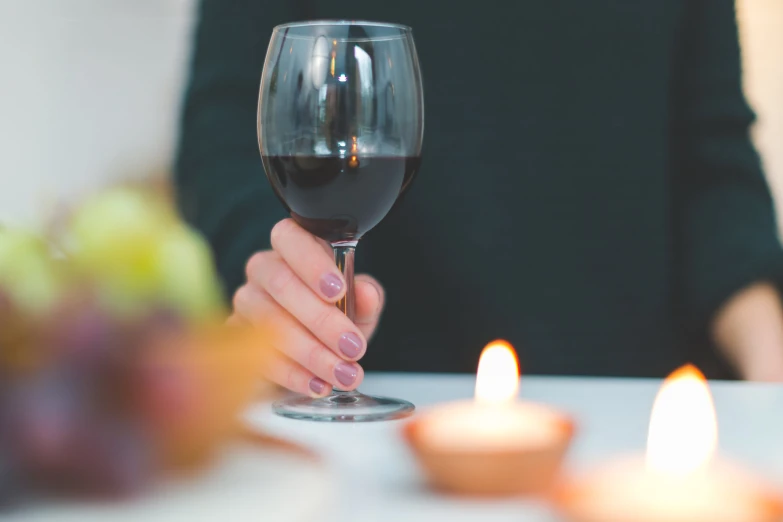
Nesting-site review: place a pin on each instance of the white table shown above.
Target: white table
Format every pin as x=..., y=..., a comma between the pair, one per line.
x=376, y=479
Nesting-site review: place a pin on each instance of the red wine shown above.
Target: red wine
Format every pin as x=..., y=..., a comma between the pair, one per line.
x=339, y=199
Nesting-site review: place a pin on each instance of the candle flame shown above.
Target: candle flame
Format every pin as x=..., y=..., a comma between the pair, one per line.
x=497, y=379
x=683, y=433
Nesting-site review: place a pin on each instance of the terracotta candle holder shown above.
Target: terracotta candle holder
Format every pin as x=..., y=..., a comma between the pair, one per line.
x=494, y=445
x=679, y=480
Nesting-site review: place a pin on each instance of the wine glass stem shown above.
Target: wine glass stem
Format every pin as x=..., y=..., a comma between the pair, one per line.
x=343, y=256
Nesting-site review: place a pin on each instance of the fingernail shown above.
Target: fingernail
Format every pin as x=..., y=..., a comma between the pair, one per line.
x=318, y=386
x=350, y=344
x=345, y=373
x=331, y=285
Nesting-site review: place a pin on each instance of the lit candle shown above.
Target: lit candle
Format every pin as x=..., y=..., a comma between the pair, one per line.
x=679, y=480
x=494, y=444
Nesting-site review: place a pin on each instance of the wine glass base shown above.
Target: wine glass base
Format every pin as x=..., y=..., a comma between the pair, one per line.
x=343, y=407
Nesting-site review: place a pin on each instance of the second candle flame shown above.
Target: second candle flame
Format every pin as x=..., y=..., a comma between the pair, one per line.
x=683, y=433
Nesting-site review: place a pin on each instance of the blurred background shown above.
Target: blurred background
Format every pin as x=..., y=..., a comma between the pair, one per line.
x=92, y=88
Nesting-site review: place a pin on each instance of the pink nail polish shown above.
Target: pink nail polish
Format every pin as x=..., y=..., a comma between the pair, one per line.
x=317, y=386
x=350, y=344
x=331, y=285
x=345, y=373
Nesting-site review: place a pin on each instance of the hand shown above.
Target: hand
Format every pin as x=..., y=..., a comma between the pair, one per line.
x=295, y=287
x=749, y=330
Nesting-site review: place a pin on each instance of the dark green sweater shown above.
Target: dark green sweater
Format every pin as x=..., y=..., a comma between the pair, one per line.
x=588, y=191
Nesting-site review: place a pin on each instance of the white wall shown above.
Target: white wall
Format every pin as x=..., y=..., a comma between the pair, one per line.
x=90, y=93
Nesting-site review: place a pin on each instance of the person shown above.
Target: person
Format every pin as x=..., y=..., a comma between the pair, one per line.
x=589, y=192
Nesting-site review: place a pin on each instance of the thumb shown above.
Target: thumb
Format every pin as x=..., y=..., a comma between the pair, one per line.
x=370, y=298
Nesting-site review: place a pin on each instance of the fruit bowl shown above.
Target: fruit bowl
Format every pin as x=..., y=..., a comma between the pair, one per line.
x=209, y=374
x=116, y=366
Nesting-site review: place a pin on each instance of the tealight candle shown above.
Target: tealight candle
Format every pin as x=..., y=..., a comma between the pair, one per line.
x=493, y=445
x=679, y=481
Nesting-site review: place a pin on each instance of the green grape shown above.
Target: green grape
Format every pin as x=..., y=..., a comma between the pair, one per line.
x=115, y=237
x=188, y=281
x=27, y=272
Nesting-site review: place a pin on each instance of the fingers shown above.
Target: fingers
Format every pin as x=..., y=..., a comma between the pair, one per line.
x=281, y=370
x=294, y=286
x=267, y=271
x=370, y=300
x=297, y=344
x=308, y=259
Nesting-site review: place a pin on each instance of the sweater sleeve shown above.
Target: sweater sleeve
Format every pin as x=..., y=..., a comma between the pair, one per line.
x=220, y=183
x=724, y=214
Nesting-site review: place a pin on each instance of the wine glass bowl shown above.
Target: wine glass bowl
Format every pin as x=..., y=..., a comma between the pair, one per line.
x=340, y=126
x=340, y=122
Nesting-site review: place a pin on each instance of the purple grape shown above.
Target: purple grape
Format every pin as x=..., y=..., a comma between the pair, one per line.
x=44, y=414
x=165, y=319
x=85, y=338
x=12, y=486
x=111, y=459
x=162, y=326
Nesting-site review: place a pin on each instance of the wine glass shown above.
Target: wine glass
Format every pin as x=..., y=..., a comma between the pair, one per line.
x=340, y=124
